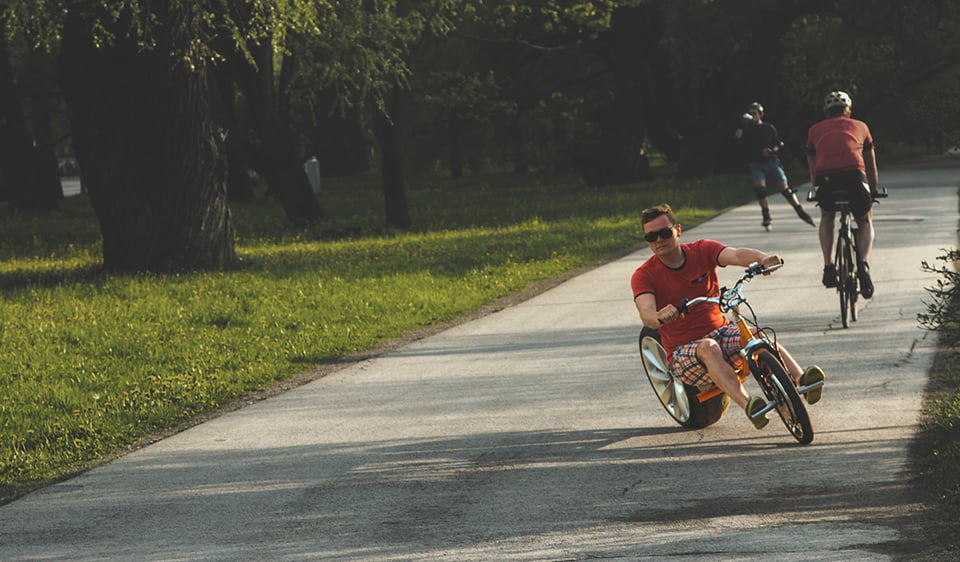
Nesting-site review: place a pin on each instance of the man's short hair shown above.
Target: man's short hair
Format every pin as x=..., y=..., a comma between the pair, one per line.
x=835, y=111
x=660, y=210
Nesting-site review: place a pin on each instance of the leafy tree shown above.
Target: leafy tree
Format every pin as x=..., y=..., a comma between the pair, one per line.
x=27, y=161
x=514, y=83
x=361, y=59
x=135, y=77
x=899, y=60
x=267, y=143
x=145, y=139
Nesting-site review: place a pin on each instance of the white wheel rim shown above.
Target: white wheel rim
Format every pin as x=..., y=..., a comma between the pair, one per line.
x=668, y=389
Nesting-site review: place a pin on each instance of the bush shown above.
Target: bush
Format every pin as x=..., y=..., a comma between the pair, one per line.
x=943, y=313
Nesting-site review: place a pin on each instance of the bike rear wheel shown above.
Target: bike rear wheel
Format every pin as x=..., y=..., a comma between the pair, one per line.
x=678, y=399
x=780, y=389
x=842, y=260
x=852, y=294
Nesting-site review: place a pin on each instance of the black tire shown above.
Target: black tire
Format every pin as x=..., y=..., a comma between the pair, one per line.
x=779, y=388
x=851, y=277
x=842, y=264
x=678, y=399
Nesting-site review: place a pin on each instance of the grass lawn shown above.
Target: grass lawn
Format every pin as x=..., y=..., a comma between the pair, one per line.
x=94, y=364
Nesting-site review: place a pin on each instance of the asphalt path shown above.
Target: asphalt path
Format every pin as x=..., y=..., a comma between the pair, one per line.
x=532, y=434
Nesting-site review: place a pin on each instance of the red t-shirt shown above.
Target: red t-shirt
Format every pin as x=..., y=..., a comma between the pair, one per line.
x=838, y=144
x=697, y=277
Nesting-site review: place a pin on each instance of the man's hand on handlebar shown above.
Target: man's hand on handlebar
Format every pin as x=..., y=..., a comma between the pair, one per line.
x=668, y=313
x=767, y=265
x=770, y=264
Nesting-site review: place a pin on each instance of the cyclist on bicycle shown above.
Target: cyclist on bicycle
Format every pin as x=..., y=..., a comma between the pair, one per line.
x=762, y=144
x=699, y=342
x=840, y=156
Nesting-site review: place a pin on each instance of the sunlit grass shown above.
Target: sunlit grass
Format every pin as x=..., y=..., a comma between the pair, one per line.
x=90, y=363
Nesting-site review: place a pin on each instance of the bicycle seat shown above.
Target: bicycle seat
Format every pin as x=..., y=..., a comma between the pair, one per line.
x=841, y=198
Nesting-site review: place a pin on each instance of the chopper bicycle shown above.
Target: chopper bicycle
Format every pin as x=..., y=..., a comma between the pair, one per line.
x=699, y=407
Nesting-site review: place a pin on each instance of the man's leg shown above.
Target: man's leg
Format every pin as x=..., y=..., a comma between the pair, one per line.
x=827, y=219
x=759, y=175
x=760, y=190
x=721, y=372
x=802, y=377
x=791, y=196
x=865, y=236
x=864, y=247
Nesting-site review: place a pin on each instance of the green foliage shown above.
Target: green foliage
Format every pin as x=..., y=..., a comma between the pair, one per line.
x=937, y=449
x=897, y=59
x=540, y=74
x=550, y=16
x=92, y=363
x=943, y=311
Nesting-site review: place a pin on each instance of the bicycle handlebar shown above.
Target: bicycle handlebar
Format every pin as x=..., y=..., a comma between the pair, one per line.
x=728, y=298
x=880, y=193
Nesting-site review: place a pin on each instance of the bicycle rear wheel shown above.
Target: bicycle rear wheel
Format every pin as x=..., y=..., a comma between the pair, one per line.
x=851, y=276
x=780, y=389
x=842, y=262
x=678, y=399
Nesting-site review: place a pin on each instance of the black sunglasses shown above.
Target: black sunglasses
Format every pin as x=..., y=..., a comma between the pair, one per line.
x=662, y=233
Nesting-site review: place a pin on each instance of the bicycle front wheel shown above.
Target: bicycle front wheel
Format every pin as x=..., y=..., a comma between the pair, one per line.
x=780, y=389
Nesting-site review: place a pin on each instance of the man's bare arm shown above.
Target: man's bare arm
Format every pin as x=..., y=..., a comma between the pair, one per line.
x=870, y=161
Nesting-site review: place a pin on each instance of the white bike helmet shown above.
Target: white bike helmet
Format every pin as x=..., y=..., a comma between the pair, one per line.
x=837, y=99
x=756, y=105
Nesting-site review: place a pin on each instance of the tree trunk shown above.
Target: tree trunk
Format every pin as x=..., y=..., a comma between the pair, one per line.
x=147, y=147
x=25, y=185
x=337, y=140
x=36, y=89
x=230, y=121
x=394, y=191
x=276, y=157
x=239, y=183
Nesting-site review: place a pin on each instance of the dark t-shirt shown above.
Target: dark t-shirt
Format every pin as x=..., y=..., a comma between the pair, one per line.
x=757, y=137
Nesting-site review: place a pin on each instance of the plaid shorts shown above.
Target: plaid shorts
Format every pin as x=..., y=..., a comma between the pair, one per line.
x=689, y=369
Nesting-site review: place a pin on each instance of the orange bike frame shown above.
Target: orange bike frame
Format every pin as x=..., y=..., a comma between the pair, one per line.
x=740, y=365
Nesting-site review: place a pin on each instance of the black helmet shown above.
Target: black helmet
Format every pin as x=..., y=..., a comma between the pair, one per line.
x=756, y=105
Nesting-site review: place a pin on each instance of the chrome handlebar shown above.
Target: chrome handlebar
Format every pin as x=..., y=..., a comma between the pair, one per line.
x=732, y=297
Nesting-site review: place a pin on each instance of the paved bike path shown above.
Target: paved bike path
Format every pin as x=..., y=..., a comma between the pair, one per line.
x=530, y=434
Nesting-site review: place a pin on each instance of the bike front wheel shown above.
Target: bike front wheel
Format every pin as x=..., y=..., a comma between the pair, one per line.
x=780, y=389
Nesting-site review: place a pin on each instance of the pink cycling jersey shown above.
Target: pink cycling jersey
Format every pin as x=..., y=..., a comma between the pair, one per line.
x=837, y=144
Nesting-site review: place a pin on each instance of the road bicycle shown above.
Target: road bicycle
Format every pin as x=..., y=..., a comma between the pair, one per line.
x=846, y=256
x=698, y=407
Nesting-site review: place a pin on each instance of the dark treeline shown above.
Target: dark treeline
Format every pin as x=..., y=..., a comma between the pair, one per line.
x=169, y=106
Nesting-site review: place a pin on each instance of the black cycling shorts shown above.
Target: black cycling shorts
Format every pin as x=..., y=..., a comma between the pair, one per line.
x=847, y=186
